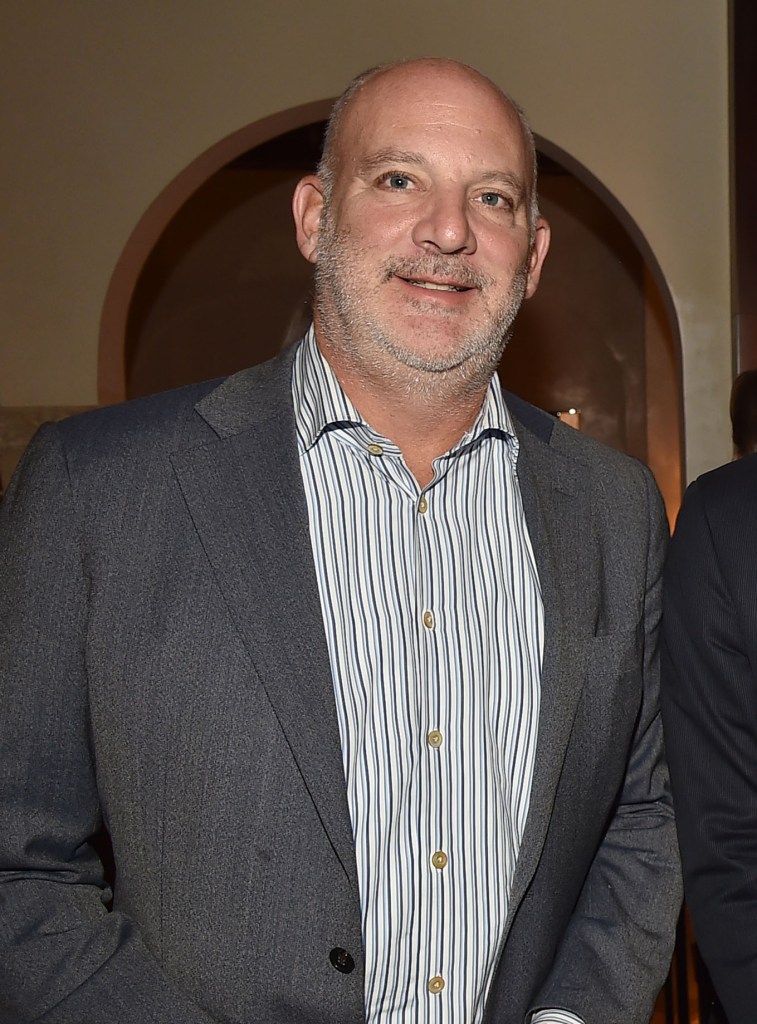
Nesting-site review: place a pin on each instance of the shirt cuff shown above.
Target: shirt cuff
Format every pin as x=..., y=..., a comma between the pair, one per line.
x=556, y=1017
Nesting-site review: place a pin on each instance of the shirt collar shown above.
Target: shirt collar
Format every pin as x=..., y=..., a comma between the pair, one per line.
x=319, y=401
x=321, y=404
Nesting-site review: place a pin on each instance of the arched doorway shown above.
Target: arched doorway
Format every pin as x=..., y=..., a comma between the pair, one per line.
x=211, y=281
x=601, y=335
x=181, y=217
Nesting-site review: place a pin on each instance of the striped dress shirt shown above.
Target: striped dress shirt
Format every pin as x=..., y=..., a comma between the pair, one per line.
x=434, y=623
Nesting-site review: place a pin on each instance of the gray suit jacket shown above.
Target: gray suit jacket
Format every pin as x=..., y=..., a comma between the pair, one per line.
x=164, y=669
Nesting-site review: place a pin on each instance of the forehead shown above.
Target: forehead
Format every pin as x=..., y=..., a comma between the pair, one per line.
x=450, y=113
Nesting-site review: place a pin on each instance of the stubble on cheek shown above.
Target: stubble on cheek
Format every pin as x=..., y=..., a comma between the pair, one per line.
x=348, y=298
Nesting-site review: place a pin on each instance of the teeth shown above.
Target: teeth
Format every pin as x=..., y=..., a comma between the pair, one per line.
x=435, y=287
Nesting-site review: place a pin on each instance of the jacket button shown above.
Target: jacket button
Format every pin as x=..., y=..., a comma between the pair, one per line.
x=342, y=960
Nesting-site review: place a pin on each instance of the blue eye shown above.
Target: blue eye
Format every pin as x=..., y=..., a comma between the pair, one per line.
x=491, y=199
x=398, y=181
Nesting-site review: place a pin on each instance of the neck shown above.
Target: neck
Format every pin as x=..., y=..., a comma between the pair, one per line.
x=423, y=414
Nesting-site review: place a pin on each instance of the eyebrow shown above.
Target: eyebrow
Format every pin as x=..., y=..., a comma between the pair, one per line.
x=390, y=156
x=387, y=157
x=512, y=180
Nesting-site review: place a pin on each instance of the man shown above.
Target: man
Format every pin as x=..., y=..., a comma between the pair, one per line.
x=355, y=659
x=710, y=709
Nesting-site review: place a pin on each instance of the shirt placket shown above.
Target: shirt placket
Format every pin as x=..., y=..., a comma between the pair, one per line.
x=406, y=690
x=434, y=979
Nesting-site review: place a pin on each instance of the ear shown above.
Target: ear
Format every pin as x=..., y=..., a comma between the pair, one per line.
x=307, y=207
x=539, y=250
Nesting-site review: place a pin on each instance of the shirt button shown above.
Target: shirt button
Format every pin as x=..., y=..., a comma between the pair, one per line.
x=436, y=984
x=434, y=738
x=439, y=859
x=428, y=620
x=375, y=449
x=422, y=505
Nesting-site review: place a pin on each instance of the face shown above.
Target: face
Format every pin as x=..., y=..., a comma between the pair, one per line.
x=422, y=250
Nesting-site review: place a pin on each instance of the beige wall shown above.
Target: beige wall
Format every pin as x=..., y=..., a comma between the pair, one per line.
x=104, y=103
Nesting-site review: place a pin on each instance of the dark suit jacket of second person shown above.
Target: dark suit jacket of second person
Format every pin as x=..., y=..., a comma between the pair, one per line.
x=710, y=714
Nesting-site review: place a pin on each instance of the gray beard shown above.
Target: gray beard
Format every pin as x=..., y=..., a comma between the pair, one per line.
x=363, y=342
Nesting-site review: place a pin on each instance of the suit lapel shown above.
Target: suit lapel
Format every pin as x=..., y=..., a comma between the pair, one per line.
x=245, y=496
x=555, y=496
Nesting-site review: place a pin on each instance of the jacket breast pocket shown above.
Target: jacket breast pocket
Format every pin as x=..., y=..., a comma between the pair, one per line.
x=609, y=705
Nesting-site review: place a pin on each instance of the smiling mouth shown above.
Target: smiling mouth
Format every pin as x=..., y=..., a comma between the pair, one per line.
x=433, y=286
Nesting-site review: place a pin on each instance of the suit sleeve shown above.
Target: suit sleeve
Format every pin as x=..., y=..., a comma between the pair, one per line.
x=64, y=958
x=615, y=952
x=710, y=708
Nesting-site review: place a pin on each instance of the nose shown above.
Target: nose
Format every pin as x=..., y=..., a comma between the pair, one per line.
x=444, y=224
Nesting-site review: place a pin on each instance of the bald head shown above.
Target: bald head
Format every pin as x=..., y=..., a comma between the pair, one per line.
x=425, y=75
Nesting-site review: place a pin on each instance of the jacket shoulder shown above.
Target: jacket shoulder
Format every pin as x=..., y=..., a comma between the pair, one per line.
x=181, y=418
x=565, y=440
x=720, y=506
x=735, y=483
